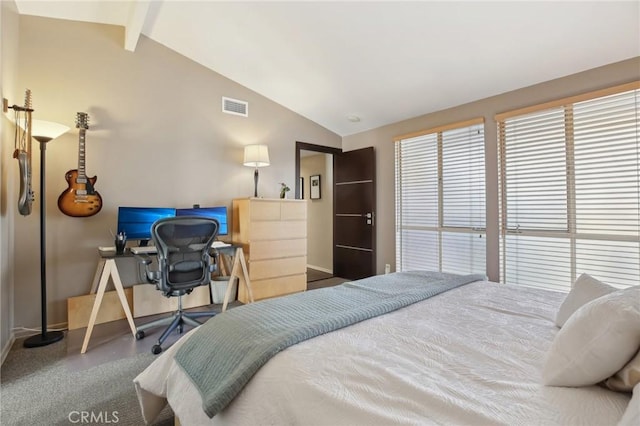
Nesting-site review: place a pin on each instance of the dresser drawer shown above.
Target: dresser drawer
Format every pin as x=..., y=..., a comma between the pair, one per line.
x=277, y=230
x=272, y=287
x=294, y=211
x=262, y=269
x=265, y=210
x=261, y=250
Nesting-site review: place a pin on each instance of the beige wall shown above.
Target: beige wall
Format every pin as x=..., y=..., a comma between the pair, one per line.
x=381, y=138
x=157, y=137
x=9, y=25
x=319, y=212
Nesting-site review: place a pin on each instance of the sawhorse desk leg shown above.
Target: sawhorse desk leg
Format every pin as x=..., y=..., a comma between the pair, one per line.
x=109, y=269
x=238, y=263
x=97, y=275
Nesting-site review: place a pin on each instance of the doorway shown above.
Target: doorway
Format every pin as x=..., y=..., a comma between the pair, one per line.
x=314, y=169
x=344, y=234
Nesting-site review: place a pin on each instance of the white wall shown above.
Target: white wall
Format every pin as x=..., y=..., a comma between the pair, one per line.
x=8, y=178
x=319, y=212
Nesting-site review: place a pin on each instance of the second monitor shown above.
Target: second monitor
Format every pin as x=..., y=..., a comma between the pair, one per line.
x=219, y=213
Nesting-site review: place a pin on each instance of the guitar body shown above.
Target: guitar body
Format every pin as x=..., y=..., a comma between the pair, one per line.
x=22, y=153
x=80, y=199
x=25, y=198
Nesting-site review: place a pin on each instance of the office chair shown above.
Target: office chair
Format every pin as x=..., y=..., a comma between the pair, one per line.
x=185, y=260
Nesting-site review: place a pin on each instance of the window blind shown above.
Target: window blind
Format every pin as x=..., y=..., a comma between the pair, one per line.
x=440, y=200
x=570, y=192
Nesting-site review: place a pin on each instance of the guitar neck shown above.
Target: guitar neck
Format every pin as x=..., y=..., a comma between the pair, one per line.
x=81, y=154
x=28, y=123
x=28, y=130
x=82, y=176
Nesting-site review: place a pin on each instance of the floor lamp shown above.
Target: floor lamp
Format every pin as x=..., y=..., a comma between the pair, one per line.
x=43, y=132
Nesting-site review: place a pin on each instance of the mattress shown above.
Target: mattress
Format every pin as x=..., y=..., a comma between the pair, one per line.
x=470, y=356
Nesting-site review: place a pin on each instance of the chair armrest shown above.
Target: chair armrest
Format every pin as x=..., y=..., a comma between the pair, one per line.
x=147, y=275
x=215, y=257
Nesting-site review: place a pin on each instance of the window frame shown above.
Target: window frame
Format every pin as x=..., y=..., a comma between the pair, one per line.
x=571, y=232
x=440, y=228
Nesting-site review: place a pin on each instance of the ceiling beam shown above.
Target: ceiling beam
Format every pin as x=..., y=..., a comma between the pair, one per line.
x=137, y=15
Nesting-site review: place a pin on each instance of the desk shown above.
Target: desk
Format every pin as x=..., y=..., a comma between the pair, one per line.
x=239, y=265
x=107, y=268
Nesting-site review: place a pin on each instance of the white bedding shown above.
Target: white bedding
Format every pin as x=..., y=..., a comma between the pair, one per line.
x=472, y=355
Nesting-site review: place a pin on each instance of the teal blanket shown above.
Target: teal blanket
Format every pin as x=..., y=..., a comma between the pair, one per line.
x=223, y=354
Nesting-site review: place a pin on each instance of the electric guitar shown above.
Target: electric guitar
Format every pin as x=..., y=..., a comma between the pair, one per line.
x=22, y=153
x=80, y=199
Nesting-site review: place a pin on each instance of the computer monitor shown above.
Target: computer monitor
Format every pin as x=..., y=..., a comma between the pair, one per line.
x=136, y=222
x=219, y=213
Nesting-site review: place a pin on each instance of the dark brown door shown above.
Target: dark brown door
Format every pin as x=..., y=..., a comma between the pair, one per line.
x=354, y=239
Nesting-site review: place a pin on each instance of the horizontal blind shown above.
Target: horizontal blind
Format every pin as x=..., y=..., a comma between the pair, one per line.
x=570, y=193
x=440, y=201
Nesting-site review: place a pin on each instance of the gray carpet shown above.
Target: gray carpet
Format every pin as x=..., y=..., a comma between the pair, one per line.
x=316, y=275
x=38, y=388
x=329, y=282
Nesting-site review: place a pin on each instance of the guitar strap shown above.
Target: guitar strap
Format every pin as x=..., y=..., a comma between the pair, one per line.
x=21, y=138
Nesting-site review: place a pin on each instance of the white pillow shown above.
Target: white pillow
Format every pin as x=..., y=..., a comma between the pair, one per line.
x=596, y=342
x=625, y=379
x=584, y=290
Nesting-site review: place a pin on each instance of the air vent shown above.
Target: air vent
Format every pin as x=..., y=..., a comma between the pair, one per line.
x=235, y=107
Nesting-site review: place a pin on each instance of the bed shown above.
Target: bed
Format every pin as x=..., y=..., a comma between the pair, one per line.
x=470, y=355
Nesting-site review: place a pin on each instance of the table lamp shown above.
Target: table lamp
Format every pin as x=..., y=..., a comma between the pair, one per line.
x=256, y=156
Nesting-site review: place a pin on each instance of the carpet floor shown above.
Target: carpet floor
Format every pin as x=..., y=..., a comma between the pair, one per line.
x=39, y=388
x=55, y=385
x=329, y=282
x=316, y=275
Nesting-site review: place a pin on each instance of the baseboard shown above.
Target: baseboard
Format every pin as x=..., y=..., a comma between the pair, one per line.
x=20, y=332
x=7, y=347
x=321, y=269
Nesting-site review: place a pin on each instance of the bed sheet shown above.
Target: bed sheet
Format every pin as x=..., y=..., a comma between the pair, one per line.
x=470, y=356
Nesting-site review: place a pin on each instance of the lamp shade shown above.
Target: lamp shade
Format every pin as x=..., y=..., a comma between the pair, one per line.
x=256, y=155
x=47, y=129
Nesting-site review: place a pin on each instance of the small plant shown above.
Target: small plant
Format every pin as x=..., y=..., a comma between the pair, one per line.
x=283, y=189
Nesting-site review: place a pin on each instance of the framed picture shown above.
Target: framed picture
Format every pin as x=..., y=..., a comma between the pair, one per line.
x=301, y=186
x=315, y=193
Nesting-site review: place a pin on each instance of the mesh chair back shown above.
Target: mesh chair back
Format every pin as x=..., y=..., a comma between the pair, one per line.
x=183, y=245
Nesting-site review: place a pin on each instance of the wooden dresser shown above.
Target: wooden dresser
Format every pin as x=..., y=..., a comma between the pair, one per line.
x=273, y=234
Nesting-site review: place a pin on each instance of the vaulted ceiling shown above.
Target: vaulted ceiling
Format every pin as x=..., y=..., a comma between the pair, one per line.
x=354, y=66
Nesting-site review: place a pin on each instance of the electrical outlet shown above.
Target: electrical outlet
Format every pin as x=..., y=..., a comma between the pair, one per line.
x=387, y=268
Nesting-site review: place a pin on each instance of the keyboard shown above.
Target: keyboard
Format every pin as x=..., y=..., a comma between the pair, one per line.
x=152, y=249
x=143, y=250
x=220, y=244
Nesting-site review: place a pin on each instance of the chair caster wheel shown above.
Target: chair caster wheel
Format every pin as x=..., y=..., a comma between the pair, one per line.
x=139, y=335
x=156, y=349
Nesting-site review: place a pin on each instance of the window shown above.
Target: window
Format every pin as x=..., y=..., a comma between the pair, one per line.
x=440, y=199
x=570, y=191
